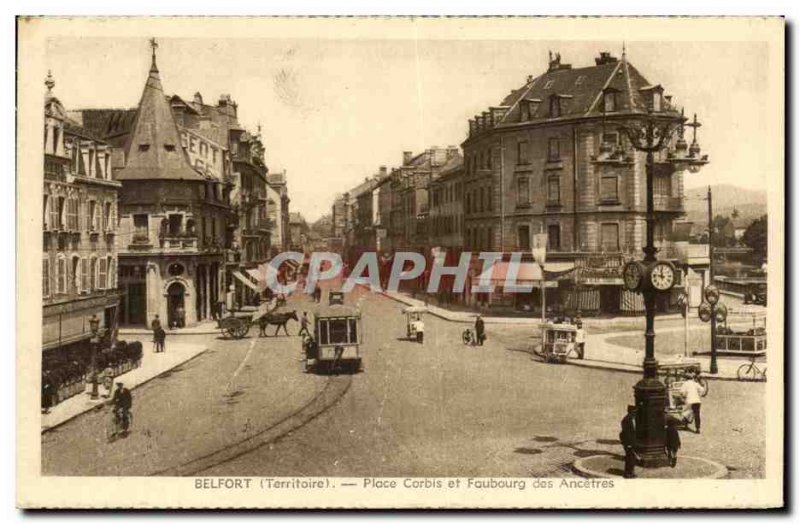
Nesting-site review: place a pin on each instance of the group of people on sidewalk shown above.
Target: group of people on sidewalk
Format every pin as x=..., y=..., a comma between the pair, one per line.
x=691, y=391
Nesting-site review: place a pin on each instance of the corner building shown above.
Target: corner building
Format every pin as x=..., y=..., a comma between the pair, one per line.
x=550, y=160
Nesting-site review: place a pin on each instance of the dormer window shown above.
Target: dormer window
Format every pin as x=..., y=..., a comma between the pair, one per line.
x=609, y=101
x=555, y=106
x=144, y=147
x=657, y=97
x=524, y=111
x=579, y=80
x=654, y=98
x=548, y=85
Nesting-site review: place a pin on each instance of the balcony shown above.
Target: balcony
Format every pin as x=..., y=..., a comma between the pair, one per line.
x=178, y=243
x=668, y=204
x=140, y=242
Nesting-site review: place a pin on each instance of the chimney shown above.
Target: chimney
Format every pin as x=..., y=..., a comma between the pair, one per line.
x=530, y=79
x=382, y=170
x=452, y=152
x=407, y=156
x=605, y=58
x=554, y=63
x=198, y=98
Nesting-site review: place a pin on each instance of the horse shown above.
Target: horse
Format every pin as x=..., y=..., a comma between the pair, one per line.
x=279, y=320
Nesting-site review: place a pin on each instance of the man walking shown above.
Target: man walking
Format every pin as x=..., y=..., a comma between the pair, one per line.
x=628, y=439
x=304, y=325
x=160, y=337
x=580, y=338
x=480, y=334
x=692, y=391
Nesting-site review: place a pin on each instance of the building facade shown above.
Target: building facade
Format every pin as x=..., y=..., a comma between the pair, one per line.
x=173, y=218
x=79, y=229
x=550, y=160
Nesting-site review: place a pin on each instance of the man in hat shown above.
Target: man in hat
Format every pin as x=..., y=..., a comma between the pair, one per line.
x=480, y=333
x=692, y=392
x=628, y=439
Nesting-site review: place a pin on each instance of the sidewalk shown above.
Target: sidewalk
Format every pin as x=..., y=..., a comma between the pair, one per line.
x=153, y=365
x=206, y=327
x=601, y=355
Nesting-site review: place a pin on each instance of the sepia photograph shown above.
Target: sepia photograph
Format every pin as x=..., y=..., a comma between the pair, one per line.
x=400, y=262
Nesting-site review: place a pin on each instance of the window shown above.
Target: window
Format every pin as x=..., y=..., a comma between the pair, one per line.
x=611, y=138
x=609, y=101
x=549, y=84
x=72, y=214
x=481, y=199
x=107, y=217
x=522, y=152
x=524, y=237
x=523, y=192
x=45, y=276
x=353, y=325
x=92, y=215
x=553, y=190
x=140, y=226
x=84, y=275
x=524, y=111
x=489, y=198
x=489, y=158
x=609, y=189
x=60, y=213
x=54, y=221
x=112, y=273
x=93, y=274
x=555, y=107
x=169, y=147
x=609, y=237
x=175, y=225
x=61, y=275
x=656, y=101
x=467, y=204
x=553, y=149
x=102, y=278
x=76, y=274
x=554, y=237
x=144, y=147
x=338, y=331
x=46, y=213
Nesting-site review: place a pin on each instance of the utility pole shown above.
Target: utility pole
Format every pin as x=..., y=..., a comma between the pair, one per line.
x=712, y=368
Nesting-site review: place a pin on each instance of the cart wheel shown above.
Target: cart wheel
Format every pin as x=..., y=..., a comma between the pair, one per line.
x=228, y=332
x=242, y=330
x=746, y=372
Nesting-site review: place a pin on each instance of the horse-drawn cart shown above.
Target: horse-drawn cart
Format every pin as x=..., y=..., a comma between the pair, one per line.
x=237, y=324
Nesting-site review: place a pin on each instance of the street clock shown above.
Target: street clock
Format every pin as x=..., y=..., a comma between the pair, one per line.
x=662, y=275
x=712, y=294
x=704, y=311
x=633, y=275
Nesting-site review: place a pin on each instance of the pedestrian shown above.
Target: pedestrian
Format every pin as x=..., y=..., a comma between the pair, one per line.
x=304, y=324
x=628, y=439
x=692, y=391
x=155, y=324
x=181, y=314
x=47, y=392
x=107, y=378
x=160, y=340
x=480, y=334
x=317, y=293
x=580, y=339
x=672, y=443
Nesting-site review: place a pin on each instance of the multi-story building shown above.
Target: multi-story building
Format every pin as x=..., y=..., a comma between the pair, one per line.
x=79, y=263
x=447, y=207
x=549, y=160
x=298, y=233
x=278, y=211
x=173, y=218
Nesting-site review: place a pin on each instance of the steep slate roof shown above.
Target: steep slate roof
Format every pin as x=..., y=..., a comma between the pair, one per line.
x=454, y=165
x=581, y=92
x=154, y=148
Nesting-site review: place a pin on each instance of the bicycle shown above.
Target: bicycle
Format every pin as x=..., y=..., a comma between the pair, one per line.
x=751, y=372
x=468, y=337
x=121, y=422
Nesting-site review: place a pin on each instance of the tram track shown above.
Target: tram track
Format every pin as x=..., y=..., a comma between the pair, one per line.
x=335, y=388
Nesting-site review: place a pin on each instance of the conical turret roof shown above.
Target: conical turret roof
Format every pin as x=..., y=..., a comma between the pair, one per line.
x=154, y=150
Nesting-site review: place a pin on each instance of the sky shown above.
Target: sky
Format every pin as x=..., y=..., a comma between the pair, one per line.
x=333, y=110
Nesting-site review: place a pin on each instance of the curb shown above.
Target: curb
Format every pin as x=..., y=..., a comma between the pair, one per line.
x=580, y=467
x=600, y=364
x=100, y=405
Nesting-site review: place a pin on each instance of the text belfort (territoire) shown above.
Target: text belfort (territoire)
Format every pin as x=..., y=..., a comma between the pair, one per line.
x=406, y=483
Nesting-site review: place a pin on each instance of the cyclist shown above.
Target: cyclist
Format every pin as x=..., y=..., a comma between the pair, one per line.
x=123, y=402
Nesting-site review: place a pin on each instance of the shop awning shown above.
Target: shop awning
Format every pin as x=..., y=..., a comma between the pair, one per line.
x=559, y=267
x=256, y=275
x=527, y=273
x=246, y=281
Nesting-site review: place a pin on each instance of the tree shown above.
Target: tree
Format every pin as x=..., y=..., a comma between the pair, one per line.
x=723, y=232
x=755, y=237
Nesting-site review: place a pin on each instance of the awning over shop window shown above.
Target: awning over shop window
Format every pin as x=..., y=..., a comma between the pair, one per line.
x=527, y=273
x=256, y=275
x=558, y=268
x=246, y=281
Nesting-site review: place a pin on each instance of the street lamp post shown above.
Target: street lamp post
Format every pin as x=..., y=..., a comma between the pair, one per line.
x=651, y=134
x=94, y=326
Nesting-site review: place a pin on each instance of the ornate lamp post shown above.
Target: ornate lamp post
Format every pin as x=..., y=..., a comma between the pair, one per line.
x=94, y=326
x=650, y=134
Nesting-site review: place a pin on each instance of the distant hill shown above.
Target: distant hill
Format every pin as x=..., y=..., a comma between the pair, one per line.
x=750, y=203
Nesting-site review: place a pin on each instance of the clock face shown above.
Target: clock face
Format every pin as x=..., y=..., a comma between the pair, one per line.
x=662, y=276
x=632, y=275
